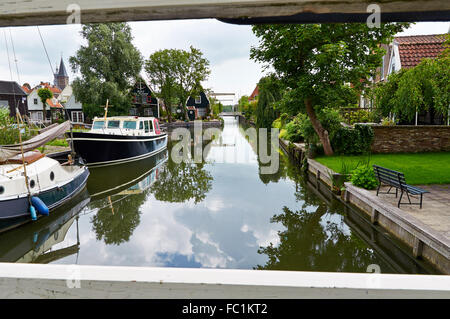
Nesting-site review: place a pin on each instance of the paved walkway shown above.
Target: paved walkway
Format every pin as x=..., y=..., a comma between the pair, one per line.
x=435, y=211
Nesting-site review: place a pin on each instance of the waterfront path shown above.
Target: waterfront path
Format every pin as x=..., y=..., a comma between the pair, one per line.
x=435, y=212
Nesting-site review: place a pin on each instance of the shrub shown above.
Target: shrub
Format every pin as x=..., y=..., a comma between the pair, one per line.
x=360, y=116
x=387, y=122
x=364, y=177
x=9, y=133
x=301, y=128
x=354, y=141
x=283, y=133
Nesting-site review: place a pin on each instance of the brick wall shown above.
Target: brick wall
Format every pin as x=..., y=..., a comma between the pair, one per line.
x=409, y=138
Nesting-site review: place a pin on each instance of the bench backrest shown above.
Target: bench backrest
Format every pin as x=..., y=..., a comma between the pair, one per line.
x=389, y=177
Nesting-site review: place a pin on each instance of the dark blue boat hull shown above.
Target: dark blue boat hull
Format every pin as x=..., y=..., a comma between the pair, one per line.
x=106, y=149
x=13, y=210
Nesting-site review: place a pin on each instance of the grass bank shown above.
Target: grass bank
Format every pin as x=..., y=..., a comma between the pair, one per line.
x=419, y=168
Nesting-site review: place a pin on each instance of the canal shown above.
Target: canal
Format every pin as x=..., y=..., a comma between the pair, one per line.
x=221, y=212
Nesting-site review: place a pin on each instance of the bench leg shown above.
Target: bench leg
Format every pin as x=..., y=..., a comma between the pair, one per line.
x=401, y=195
x=396, y=192
x=421, y=200
x=409, y=199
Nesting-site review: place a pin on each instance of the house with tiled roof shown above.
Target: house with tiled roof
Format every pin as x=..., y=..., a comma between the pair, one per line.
x=408, y=51
x=53, y=108
x=254, y=94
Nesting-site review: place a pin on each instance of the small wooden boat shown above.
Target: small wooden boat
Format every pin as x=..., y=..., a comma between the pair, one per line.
x=31, y=181
x=119, y=139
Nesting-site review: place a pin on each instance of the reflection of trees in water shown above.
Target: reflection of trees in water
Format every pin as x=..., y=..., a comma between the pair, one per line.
x=178, y=183
x=181, y=182
x=116, y=223
x=308, y=244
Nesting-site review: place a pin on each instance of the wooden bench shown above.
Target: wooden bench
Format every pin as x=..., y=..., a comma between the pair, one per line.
x=396, y=179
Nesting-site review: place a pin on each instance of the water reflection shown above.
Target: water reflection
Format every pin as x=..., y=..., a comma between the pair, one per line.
x=221, y=213
x=119, y=192
x=37, y=242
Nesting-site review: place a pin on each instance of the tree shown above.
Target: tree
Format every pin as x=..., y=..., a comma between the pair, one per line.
x=316, y=61
x=270, y=92
x=422, y=88
x=108, y=64
x=45, y=94
x=160, y=71
x=177, y=74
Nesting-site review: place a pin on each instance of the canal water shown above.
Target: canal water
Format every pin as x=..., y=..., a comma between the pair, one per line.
x=221, y=212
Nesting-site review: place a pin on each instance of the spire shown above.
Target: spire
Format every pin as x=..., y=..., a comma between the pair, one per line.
x=62, y=69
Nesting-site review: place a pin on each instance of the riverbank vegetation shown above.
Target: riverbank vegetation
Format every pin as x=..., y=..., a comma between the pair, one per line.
x=419, y=168
x=323, y=72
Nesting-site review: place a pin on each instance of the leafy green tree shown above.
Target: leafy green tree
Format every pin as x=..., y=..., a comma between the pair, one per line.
x=108, y=64
x=177, y=74
x=45, y=94
x=270, y=92
x=316, y=61
x=422, y=88
x=160, y=69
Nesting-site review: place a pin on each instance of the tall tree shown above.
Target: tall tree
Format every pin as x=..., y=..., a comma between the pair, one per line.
x=44, y=94
x=270, y=91
x=422, y=88
x=177, y=73
x=160, y=71
x=108, y=65
x=316, y=61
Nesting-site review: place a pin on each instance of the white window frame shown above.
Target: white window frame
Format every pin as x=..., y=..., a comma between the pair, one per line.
x=198, y=99
x=76, y=116
x=148, y=111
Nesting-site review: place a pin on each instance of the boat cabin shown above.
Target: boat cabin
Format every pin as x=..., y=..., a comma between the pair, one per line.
x=126, y=125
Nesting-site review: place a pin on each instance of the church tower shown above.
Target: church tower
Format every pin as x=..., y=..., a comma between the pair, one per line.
x=61, y=77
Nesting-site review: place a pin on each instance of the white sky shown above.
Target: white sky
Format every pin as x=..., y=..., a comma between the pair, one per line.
x=226, y=46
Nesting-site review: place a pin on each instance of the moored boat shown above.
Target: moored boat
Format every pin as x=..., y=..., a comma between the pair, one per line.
x=31, y=181
x=119, y=139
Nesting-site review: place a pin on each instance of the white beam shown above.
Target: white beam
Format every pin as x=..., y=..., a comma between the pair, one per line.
x=42, y=12
x=61, y=281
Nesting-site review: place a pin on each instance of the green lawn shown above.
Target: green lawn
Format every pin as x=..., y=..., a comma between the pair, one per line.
x=419, y=168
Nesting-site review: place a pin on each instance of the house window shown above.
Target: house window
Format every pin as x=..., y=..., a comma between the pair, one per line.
x=4, y=104
x=35, y=101
x=149, y=99
x=37, y=117
x=134, y=99
x=77, y=117
x=148, y=112
x=198, y=99
x=133, y=111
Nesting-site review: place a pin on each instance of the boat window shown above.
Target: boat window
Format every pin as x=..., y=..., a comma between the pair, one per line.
x=129, y=124
x=141, y=125
x=147, y=128
x=99, y=124
x=151, y=125
x=113, y=124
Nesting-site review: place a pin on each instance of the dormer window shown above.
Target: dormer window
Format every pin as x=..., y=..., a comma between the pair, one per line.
x=198, y=100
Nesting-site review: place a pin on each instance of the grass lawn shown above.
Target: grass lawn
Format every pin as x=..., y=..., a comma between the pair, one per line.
x=419, y=168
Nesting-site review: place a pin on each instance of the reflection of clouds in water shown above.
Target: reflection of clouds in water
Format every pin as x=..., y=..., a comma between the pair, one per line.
x=232, y=147
x=214, y=204
x=224, y=230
